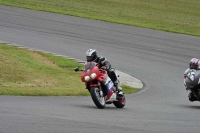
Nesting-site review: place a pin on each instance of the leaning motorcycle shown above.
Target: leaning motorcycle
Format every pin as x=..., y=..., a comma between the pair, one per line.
x=192, y=82
x=100, y=86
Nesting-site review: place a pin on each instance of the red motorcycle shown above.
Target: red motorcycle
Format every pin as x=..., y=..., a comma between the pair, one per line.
x=100, y=86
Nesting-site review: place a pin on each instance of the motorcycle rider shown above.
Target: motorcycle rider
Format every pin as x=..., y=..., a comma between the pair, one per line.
x=92, y=55
x=194, y=64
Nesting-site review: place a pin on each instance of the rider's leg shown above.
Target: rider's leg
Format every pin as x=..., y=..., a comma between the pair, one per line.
x=114, y=78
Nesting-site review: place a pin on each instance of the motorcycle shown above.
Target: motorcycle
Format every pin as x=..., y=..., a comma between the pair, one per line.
x=192, y=82
x=100, y=86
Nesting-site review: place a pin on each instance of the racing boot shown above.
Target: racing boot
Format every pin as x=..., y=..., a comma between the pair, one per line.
x=118, y=88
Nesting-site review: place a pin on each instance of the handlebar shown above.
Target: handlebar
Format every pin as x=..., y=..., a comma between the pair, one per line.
x=78, y=69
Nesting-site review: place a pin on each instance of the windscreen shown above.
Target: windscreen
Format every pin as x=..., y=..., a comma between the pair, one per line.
x=89, y=66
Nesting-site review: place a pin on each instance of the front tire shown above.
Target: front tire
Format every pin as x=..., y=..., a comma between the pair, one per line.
x=98, y=99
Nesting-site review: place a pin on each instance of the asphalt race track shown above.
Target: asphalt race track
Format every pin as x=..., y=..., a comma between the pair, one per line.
x=157, y=58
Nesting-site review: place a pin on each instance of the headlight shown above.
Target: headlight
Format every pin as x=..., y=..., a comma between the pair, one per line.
x=93, y=75
x=86, y=78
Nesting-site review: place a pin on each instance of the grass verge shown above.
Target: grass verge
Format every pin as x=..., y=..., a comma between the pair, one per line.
x=32, y=73
x=179, y=16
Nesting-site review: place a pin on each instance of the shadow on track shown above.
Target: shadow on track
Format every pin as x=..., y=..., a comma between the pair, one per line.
x=191, y=106
x=108, y=107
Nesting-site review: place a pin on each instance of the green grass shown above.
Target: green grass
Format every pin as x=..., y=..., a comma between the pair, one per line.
x=31, y=73
x=128, y=90
x=179, y=16
x=25, y=72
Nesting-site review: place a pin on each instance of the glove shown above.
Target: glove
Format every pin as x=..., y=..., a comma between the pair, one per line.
x=103, y=67
x=102, y=60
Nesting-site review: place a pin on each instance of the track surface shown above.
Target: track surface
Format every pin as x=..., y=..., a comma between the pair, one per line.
x=157, y=58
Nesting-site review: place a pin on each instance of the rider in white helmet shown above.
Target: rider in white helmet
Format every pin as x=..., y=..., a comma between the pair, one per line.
x=92, y=55
x=194, y=64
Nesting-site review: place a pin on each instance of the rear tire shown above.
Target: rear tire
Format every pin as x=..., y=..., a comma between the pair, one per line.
x=121, y=101
x=198, y=93
x=98, y=100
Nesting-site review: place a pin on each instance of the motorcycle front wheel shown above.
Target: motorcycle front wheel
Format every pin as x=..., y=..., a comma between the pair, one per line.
x=98, y=97
x=121, y=101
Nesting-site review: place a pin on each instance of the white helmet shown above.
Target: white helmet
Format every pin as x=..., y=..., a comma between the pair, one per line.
x=194, y=63
x=91, y=55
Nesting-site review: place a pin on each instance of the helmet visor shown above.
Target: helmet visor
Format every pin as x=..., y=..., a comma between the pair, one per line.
x=193, y=66
x=89, y=58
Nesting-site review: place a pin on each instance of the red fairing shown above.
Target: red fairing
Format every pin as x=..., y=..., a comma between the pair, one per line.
x=100, y=75
x=110, y=93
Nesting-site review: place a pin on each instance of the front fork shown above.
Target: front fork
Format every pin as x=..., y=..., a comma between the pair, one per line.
x=99, y=85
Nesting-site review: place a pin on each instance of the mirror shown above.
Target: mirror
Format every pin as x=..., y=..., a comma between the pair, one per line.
x=76, y=69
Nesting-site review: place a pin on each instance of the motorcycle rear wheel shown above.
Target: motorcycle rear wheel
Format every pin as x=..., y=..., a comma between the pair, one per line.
x=97, y=98
x=121, y=101
x=198, y=93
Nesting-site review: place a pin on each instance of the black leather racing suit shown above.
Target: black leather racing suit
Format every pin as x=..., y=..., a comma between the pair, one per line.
x=102, y=61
